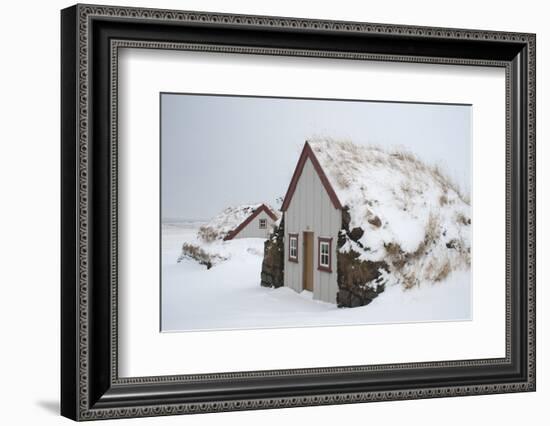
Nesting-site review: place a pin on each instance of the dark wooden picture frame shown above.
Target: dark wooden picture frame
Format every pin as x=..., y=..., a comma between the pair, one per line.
x=90, y=385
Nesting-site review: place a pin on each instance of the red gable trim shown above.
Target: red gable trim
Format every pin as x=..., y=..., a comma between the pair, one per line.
x=263, y=208
x=307, y=152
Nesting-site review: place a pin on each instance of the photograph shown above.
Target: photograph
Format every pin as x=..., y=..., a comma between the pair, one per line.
x=296, y=212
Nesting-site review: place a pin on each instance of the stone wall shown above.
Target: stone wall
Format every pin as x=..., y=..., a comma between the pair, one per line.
x=359, y=281
x=274, y=261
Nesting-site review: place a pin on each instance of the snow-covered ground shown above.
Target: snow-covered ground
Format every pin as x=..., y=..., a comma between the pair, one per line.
x=229, y=295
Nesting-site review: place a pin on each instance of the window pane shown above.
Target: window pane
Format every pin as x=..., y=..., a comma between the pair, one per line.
x=324, y=254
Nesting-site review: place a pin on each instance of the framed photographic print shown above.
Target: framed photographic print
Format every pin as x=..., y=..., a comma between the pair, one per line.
x=263, y=212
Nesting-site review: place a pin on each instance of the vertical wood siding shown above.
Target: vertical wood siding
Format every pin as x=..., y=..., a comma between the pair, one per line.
x=252, y=230
x=311, y=210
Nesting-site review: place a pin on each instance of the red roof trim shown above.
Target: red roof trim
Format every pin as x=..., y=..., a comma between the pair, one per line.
x=307, y=152
x=263, y=208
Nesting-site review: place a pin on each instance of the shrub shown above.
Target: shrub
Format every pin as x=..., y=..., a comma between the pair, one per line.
x=194, y=252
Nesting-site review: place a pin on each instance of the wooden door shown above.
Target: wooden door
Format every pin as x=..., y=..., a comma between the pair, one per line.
x=308, y=261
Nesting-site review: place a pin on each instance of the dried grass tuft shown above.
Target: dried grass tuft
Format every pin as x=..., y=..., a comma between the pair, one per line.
x=208, y=234
x=463, y=220
x=192, y=251
x=444, y=271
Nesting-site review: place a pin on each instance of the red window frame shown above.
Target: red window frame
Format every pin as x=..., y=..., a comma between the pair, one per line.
x=320, y=267
x=290, y=258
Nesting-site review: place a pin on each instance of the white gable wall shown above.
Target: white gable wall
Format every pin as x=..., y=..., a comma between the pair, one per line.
x=252, y=230
x=311, y=210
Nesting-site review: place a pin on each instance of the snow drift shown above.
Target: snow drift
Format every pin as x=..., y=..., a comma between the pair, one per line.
x=210, y=245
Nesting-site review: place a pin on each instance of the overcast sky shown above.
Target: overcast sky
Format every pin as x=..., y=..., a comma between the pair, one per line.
x=219, y=151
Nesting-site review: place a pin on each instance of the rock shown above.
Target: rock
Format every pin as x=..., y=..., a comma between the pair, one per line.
x=267, y=279
x=355, y=301
x=356, y=234
x=342, y=238
x=343, y=298
x=453, y=244
x=346, y=218
x=375, y=221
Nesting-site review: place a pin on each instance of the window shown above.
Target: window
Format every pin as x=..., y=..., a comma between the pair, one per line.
x=263, y=223
x=324, y=250
x=293, y=247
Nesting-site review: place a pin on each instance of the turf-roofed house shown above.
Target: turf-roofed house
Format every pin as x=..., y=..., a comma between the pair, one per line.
x=359, y=218
x=244, y=221
x=229, y=234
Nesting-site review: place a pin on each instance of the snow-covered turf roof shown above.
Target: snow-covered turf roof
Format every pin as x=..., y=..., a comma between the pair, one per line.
x=394, y=186
x=230, y=219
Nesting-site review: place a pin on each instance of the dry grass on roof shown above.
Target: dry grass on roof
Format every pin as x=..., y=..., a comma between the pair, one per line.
x=350, y=158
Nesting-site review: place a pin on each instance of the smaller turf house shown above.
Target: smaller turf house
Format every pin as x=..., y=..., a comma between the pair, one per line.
x=244, y=221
